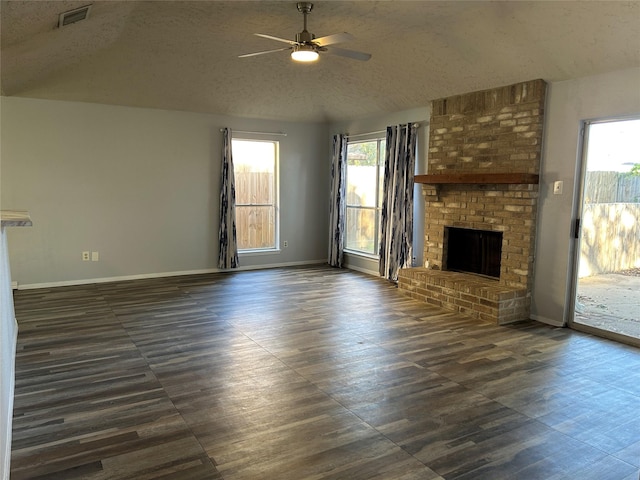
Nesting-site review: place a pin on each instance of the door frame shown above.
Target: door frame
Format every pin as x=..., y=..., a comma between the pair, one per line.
x=576, y=233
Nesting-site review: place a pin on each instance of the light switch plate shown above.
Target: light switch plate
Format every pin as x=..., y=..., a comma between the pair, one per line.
x=557, y=187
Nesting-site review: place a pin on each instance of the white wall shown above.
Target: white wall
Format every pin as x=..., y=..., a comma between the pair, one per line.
x=378, y=123
x=568, y=104
x=141, y=187
x=8, y=336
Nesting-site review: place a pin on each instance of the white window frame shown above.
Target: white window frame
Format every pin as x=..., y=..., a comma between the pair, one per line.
x=378, y=209
x=276, y=197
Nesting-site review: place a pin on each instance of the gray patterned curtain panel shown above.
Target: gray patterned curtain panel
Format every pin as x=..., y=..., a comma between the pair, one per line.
x=228, y=254
x=337, y=206
x=396, y=223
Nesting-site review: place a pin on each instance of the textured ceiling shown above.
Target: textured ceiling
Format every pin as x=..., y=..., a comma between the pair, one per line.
x=183, y=55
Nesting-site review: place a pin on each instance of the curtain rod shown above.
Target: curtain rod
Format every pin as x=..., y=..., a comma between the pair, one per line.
x=373, y=133
x=256, y=133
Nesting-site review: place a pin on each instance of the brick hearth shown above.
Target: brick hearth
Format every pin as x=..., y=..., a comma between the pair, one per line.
x=474, y=138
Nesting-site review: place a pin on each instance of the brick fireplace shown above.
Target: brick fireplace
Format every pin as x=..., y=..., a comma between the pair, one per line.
x=483, y=166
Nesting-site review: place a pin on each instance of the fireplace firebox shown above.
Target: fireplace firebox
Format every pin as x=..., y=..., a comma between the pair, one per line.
x=472, y=251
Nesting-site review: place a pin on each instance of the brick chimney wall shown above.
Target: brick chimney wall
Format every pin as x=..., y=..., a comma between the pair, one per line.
x=491, y=131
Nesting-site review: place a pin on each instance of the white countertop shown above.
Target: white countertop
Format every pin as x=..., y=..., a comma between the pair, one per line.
x=15, y=218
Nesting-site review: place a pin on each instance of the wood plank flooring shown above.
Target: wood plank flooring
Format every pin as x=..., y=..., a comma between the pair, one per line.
x=309, y=373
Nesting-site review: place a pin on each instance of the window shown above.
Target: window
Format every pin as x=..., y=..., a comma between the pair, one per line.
x=255, y=166
x=365, y=173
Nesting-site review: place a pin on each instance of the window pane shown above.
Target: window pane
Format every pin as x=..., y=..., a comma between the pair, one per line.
x=361, y=185
x=361, y=173
x=255, y=156
x=365, y=172
x=254, y=187
x=255, y=167
x=255, y=227
x=361, y=230
x=362, y=153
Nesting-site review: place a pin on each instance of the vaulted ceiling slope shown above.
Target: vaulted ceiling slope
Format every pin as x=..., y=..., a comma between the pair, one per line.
x=183, y=55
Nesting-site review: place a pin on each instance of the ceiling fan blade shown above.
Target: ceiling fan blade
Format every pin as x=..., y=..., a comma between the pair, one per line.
x=262, y=53
x=349, y=54
x=335, y=38
x=277, y=39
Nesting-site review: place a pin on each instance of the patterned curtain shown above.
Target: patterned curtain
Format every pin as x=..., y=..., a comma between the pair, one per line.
x=337, y=206
x=396, y=223
x=228, y=255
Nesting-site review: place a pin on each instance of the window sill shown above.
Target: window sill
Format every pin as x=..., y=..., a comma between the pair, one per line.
x=251, y=253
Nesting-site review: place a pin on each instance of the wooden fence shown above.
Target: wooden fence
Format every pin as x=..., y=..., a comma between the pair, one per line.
x=611, y=187
x=610, y=238
x=255, y=224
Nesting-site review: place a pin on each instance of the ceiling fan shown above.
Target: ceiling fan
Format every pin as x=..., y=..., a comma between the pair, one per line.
x=306, y=46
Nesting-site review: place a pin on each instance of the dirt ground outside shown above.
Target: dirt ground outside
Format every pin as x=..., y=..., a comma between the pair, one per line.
x=610, y=302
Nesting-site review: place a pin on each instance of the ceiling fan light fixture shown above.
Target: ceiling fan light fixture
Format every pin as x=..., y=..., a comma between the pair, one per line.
x=304, y=53
x=306, y=47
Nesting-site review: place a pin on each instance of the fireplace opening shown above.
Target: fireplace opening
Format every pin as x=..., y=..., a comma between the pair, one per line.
x=473, y=251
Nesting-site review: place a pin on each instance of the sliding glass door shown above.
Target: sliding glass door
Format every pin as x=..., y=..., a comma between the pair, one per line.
x=607, y=231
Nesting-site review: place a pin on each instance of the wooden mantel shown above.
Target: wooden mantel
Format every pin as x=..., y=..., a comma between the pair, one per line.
x=478, y=178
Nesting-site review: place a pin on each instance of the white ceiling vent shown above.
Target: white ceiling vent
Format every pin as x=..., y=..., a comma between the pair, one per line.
x=73, y=16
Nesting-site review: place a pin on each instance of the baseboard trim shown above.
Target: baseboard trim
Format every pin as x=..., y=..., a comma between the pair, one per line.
x=89, y=281
x=143, y=276
x=548, y=321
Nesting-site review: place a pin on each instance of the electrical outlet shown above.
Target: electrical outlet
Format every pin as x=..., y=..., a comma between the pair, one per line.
x=557, y=187
x=85, y=256
x=95, y=256
x=285, y=244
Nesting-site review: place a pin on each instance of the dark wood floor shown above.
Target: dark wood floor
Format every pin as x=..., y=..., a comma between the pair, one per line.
x=309, y=373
